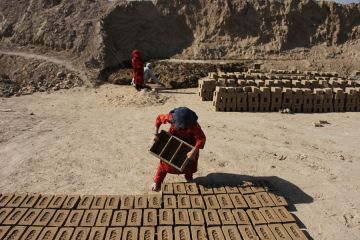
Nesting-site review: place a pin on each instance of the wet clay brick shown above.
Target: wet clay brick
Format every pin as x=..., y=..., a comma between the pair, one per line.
x=231, y=232
x=14, y=217
x=114, y=233
x=257, y=188
x=284, y=214
x=164, y=233
x=5, y=198
x=71, y=202
x=59, y=218
x=167, y=188
x=182, y=233
x=238, y=201
x=205, y=190
x=85, y=202
x=119, y=218
x=224, y=201
x=183, y=201
x=44, y=201
x=191, y=188
x=64, y=233
x=30, y=200
x=48, y=233
x=15, y=233
x=294, y=231
x=3, y=231
x=231, y=189
x=252, y=201
x=112, y=202
x=197, y=201
x=269, y=215
x=149, y=217
x=196, y=217
x=255, y=217
x=279, y=232
x=81, y=233
x=218, y=189
x=134, y=217
x=264, y=232
x=181, y=217
x=226, y=217
x=127, y=202
x=179, y=188
x=245, y=190
x=31, y=233
x=140, y=202
x=154, y=201
x=44, y=218
x=215, y=233
x=74, y=218
x=89, y=218
x=169, y=201
x=104, y=218
x=29, y=217
x=97, y=233
x=166, y=217
x=211, y=202
x=211, y=218
x=4, y=212
x=241, y=217
x=265, y=199
x=247, y=232
x=278, y=200
x=147, y=233
x=16, y=200
x=198, y=233
x=99, y=202
x=57, y=201
x=130, y=233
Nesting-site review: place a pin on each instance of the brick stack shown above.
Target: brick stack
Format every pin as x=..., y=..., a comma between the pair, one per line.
x=297, y=100
x=206, y=89
x=265, y=99
x=351, y=96
x=287, y=98
x=241, y=100
x=253, y=99
x=339, y=99
x=328, y=100
x=276, y=99
x=224, y=99
x=308, y=100
x=318, y=100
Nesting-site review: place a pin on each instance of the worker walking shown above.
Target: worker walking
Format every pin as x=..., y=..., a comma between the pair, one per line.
x=184, y=125
x=138, y=66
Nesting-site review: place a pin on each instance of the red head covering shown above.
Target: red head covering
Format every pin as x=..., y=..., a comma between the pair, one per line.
x=138, y=67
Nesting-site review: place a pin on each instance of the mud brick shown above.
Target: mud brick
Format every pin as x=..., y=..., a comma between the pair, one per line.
x=264, y=232
x=270, y=215
x=112, y=202
x=231, y=232
x=71, y=202
x=226, y=217
x=183, y=201
x=44, y=217
x=211, y=202
x=74, y=218
x=16, y=200
x=255, y=216
x=247, y=232
x=30, y=200
x=252, y=201
x=85, y=202
x=169, y=201
x=182, y=233
x=31, y=233
x=59, y=218
x=97, y=233
x=14, y=217
x=29, y=217
x=279, y=232
x=104, y=218
x=15, y=233
x=191, y=188
x=155, y=201
x=245, y=190
x=257, y=188
x=264, y=199
x=260, y=83
x=166, y=217
x=196, y=217
x=198, y=233
x=215, y=233
x=150, y=217
x=231, y=189
x=224, y=201
x=5, y=198
x=278, y=199
x=127, y=202
x=113, y=233
x=140, y=202
x=284, y=214
x=241, y=82
x=147, y=233
x=218, y=189
x=89, y=218
x=3, y=231
x=64, y=233
x=99, y=202
x=130, y=233
x=81, y=233
x=44, y=201
x=48, y=233
x=238, y=201
x=57, y=201
x=211, y=218
x=231, y=82
x=181, y=217
x=179, y=188
x=119, y=218
x=205, y=190
x=4, y=212
x=167, y=188
x=197, y=201
x=287, y=98
x=294, y=231
x=134, y=217
x=164, y=233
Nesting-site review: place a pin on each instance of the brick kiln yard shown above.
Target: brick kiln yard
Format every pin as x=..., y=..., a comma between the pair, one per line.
x=95, y=141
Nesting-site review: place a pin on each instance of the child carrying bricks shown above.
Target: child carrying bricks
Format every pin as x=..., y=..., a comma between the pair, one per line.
x=184, y=125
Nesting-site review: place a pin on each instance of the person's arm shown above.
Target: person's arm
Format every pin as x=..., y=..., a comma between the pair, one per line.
x=161, y=119
x=153, y=77
x=200, y=140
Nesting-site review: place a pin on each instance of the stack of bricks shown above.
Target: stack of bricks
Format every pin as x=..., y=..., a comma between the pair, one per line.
x=297, y=100
x=206, y=89
x=328, y=100
x=241, y=100
x=265, y=99
x=351, y=99
x=253, y=99
x=224, y=99
x=339, y=99
x=287, y=98
x=318, y=100
x=308, y=100
x=276, y=99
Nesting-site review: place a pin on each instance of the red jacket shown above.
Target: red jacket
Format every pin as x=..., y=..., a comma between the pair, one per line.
x=194, y=136
x=138, y=68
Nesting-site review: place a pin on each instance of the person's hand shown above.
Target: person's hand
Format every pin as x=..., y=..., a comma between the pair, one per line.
x=156, y=137
x=190, y=154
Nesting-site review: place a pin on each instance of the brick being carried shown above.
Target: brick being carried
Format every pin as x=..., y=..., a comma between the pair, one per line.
x=164, y=233
x=182, y=233
x=238, y=201
x=198, y=233
x=270, y=215
x=147, y=233
x=134, y=217
x=104, y=218
x=47, y=233
x=14, y=217
x=112, y=202
x=166, y=217
x=211, y=218
x=113, y=233
x=252, y=201
x=5, y=198
x=44, y=217
x=85, y=202
x=264, y=232
x=119, y=218
x=140, y=202
x=30, y=200
x=255, y=216
x=211, y=202
x=89, y=218
x=97, y=233
x=64, y=233
x=206, y=190
x=308, y=102
x=196, y=217
x=155, y=201
x=191, y=188
x=265, y=199
x=71, y=202
x=31, y=233
x=294, y=231
x=197, y=202
x=169, y=201
x=130, y=233
x=57, y=201
x=127, y=202
x=231, y=232
x=4, y=212
x=247, y=232
x=16, y=200
x=167, y=188
x=318, y=100
x=279, y=231
x=44, y=201
x=226, y=217
x=59, y=218
x=181, y=217
x=15, y=233
x=74, y=218
x=224, y=201
x=284, y=215
x=99, y=202
x=215, y=233
x=183, y=201
x=150, y=217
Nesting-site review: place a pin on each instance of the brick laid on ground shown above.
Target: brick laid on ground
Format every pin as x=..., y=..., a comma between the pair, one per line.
x=59, y=218
x=164, y=233
x=197, y=201
x=113, y=233
x=119, y=218
x=166, y=217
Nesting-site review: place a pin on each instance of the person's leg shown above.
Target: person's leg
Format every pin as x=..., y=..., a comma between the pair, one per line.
x=138, y=87
x=189, y=176
x=158, y=179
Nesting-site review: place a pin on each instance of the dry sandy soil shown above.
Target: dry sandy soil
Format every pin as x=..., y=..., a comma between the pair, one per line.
x=95, y=141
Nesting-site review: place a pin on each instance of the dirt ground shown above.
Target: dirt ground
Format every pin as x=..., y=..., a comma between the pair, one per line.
x=96, y=141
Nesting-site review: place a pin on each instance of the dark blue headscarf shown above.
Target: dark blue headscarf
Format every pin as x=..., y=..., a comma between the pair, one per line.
x=183, y=117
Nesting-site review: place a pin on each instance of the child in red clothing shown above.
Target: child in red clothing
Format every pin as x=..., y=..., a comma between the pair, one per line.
x=184, y=125
x=138, y=66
